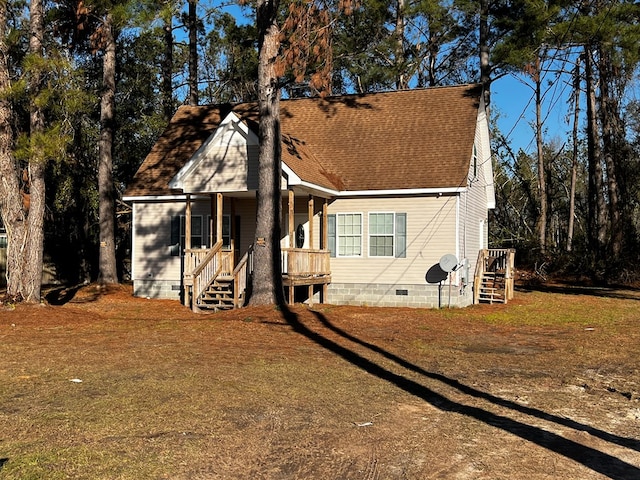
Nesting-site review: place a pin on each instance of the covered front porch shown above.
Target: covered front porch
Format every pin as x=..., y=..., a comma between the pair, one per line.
x=219, y=276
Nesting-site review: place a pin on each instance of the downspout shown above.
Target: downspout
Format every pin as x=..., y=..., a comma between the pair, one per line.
x=133, y=241
x=464, y=240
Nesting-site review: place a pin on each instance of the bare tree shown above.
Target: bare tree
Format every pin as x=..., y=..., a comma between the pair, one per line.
x=597, y=205
x=402, y=79
x=574, y=157
x=167, y=61
x=192, y=26
x=485, y=65
x=542, y=173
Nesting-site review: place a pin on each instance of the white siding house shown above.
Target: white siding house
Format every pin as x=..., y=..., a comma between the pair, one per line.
x=379, y=186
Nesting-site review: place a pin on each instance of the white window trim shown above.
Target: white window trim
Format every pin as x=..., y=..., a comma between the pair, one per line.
x=361, y=255
x=369, y=235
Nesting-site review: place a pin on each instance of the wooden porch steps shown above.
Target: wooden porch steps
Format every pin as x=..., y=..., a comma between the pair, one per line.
x=492, y=288
x=219, y=295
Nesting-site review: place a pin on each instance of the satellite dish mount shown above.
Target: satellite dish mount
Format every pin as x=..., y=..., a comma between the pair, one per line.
x=449, y=263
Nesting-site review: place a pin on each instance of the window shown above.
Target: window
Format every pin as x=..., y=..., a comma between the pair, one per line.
x=387, y=235
x=475, y=162
x=226, y=230
x=197, y=232
x=349, y=234
x=345, y=234
x=381, y=233
x=178, y=234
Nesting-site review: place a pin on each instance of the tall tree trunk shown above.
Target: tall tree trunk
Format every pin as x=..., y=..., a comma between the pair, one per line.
x=193, y=52
x=574, y=159
x=433, y=47
x=612, y=150
x=167, y=64
x=597, y=206
x=107, y=258
x=485, y=66
x=401, y=76
x=267, y=278
x=33, y=261
x=11, y=205
x=542, y=184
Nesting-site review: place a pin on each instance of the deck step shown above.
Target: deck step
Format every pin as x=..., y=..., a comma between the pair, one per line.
x=492, y=288
x=218, y=296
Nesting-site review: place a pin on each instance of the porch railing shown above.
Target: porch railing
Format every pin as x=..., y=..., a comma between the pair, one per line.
x=305, y=262
x=241, y=275
x=497, y=260
x=202, y=266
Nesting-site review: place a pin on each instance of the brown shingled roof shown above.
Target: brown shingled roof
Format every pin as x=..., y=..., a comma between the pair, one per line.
x=419, y=138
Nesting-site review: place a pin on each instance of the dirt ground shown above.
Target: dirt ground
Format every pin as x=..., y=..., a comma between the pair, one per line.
x=98, y=384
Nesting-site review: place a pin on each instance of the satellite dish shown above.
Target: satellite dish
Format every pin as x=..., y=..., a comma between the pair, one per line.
x=448, y=263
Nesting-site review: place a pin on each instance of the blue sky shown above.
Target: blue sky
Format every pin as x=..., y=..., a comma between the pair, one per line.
x=514, y=104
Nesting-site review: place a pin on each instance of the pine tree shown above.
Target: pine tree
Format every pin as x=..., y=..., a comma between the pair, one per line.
x=301, y=33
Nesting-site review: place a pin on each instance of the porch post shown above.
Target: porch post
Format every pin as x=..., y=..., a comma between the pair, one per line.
x=219, y=217
x=292, y=243
x=310, y=213
x=187, y=259
x=212, y=216
x=292, y=238
x=324, y=243
x=232, y=232
x=187, y=224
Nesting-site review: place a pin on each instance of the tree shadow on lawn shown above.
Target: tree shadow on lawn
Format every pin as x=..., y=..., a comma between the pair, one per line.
x=591, y=458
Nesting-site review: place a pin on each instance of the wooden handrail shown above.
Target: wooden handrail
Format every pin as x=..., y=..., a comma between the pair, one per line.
x=210, y=255
x=205, y=273
x=241, y=275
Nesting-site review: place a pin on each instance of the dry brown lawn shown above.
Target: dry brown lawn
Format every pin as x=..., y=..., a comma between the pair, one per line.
x=108, y=386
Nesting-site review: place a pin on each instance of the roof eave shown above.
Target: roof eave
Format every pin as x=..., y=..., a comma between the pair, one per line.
x=402, y=192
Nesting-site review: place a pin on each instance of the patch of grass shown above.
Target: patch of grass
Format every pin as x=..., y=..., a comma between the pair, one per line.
x=543, y=309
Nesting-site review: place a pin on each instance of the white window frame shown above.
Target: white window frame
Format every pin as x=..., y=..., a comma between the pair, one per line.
x=338, y=234
x=392, y=235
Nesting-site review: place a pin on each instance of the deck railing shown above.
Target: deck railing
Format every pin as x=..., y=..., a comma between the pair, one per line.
x=500, y=260
x=305, y=262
